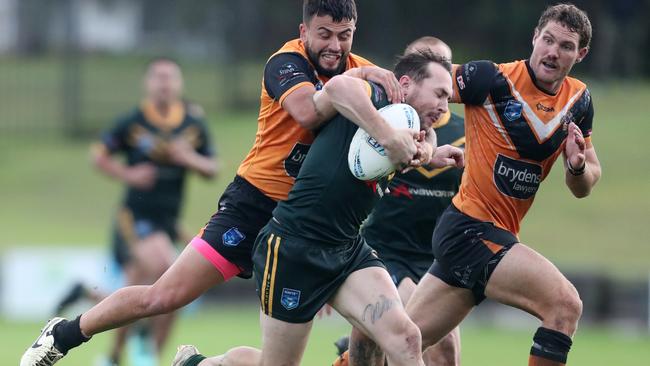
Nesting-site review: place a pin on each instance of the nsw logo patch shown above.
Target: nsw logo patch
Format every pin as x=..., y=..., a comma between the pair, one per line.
x=290, y=298
x=232, y=237
x=513, y=110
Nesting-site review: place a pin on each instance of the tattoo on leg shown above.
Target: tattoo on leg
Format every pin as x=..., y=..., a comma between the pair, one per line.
x=375, y=311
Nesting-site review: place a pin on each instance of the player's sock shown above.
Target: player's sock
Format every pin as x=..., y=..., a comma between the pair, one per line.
x=77, y=292
x=67, y=335
x=550, y=348
x=194, y=360
x=342, y=360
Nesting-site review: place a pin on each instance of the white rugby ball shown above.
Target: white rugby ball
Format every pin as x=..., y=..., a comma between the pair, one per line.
x=367, y=159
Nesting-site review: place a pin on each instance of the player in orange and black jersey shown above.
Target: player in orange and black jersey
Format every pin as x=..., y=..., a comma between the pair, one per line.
x=223, y=247
x=519, y=118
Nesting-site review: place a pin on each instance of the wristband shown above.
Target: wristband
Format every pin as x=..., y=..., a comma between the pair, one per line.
x=575, y=172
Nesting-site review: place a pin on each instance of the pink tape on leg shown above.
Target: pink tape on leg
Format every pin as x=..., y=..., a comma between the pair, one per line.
x=227, y=268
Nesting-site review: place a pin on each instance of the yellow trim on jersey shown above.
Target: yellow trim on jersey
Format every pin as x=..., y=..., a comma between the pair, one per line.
x=275, y=267
x=126, y=226
x=173, y=119
x=293, y=88
x=432, y=173
x=266, y=272
x=460, y=141
x=443, y=120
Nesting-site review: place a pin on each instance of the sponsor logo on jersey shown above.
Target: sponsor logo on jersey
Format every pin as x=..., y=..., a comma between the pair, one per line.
x=460, y=82
x=295, y=159
x=513, y=110
x=288, y=72
x=408, y=192
x=542, y=107
x=232, y=237
x=290, y=298
x=516, y=178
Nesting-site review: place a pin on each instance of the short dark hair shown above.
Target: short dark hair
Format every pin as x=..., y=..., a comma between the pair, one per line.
x=337, y=9
x=415, y=64
x=570, y=16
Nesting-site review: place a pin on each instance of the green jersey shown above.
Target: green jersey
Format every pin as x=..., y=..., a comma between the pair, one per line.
x=327, y=204
x=142, y=138
x=404, y=219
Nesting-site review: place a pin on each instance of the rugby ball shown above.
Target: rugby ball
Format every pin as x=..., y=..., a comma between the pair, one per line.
x=367, y=159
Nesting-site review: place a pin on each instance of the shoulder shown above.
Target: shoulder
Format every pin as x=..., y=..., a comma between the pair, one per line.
x=132, y=116
x=473, y=80
x=357, y=61
x=194, y=110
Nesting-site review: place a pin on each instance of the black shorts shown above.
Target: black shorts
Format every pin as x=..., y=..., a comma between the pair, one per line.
x=130, y=226
x=243, y=210
x=401, y=265
x=296, y=277
x=468, y=250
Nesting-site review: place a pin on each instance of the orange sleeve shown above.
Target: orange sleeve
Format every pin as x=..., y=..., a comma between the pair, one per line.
x=293, y=88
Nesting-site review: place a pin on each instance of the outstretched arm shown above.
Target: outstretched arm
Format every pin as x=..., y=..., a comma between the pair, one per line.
x=582, y=168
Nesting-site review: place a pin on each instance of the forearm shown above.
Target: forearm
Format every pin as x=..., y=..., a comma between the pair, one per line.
x=203, y=165
x=349, y=97
x=107, y=165
x=580, y=184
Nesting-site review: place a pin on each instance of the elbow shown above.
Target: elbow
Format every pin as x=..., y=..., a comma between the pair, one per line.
x=582, y=193
x=210, y=171
x=336, y=85
x=308, y=120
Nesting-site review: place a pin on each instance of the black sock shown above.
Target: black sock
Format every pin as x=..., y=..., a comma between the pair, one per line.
x=194, y=360
x=551, y=345
x=67, y=335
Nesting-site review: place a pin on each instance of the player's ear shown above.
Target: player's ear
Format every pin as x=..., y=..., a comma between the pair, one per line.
x=535, y=35
x=582, y=53
x=303, y=32
x=405, y=82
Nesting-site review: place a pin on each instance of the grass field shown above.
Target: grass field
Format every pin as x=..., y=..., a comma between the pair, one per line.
x=217, y=330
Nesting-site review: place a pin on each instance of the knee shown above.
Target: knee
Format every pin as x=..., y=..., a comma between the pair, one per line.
x=160, y=300
x=405, y=342
x=565, y=309
x=444, y=353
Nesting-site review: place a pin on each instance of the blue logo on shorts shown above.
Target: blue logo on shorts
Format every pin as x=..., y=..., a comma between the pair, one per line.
x=290, y=298
x=143, y=228
x=232, y=237
x=513, y=110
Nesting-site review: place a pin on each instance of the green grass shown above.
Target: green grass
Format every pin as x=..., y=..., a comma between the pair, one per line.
x=216, y=330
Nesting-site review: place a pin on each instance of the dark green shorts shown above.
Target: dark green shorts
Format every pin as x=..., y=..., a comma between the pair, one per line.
x=401, y=264
x=296, y=277
x=131, y=226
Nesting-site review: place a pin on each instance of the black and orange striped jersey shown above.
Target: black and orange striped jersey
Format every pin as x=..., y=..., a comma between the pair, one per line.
x=143, y=136
x=281, y=144
x=514, y=133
